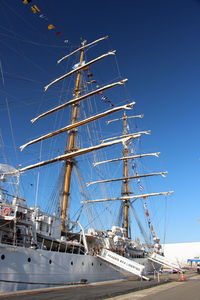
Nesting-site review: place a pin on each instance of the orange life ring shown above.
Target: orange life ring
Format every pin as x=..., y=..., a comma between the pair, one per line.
x=6, y=211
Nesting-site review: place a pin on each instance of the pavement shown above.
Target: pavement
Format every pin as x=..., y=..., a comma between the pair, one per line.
x=179, y=290
x=120, y=289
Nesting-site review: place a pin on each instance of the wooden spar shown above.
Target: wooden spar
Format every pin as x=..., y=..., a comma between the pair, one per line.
x=127, y=157
x=70, y=155
x=83, y=47
x=79, y=68
x=126, y=135
x=129, y=197
x=77, y=99
x=137, y=116
x=70, y=148
x=127, y=178
x=77, y=124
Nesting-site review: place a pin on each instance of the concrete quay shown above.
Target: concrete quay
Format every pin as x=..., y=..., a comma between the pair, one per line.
x=166, y=284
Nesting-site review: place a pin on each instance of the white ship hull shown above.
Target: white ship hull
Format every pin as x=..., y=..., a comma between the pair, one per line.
x=26, y=268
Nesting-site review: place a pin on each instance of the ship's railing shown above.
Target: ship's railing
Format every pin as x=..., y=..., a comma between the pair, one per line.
x=10, y=237
x=70, y=246
x=70, y=243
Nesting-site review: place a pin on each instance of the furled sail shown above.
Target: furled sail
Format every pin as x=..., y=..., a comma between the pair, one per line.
x=71, y=155
x=81, y=48
x=129, y=197
x=126, y=178
x=126, y=135
x=79, y=68
x=75, y=100
x=126, y=157
x=77, y=124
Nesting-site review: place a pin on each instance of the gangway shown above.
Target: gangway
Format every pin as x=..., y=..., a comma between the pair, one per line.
x=164, y=261
x=122, y=262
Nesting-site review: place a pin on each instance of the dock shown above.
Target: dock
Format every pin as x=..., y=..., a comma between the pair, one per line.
x=106, y=290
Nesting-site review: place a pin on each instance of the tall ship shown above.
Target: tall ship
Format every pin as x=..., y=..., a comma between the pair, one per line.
x=52, y=247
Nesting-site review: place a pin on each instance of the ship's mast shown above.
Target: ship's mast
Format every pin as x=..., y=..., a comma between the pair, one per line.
x=70, y=146
x=125, y=185
x=71, y=152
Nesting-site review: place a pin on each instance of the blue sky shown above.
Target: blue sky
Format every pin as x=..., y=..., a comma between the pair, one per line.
x=158, y=46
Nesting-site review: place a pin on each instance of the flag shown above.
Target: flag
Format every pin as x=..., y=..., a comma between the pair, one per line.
x=42, y=16
x=51, y=26
x=86, y=68
x=89, y=75
x=27, y=1
x=35, y=9
x=141, y=188
x=92, y=81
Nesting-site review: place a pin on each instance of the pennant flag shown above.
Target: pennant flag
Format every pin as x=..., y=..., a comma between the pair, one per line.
x=92, y=81
x=147, y=213
x=43, y=17
x=141, y=188
x=104, y=97
x=26, y=1
x=51, y=26
x=35, y=9
x=107, y=101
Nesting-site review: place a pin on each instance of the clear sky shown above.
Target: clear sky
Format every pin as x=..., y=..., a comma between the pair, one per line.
x=158, y=50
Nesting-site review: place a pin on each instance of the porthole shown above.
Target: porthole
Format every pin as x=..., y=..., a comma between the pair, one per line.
x=72, y=263
x=82, y=263
x=2, y=256
x=92, y=264
x=29, y=259
x=50, y=261
x=100, y=264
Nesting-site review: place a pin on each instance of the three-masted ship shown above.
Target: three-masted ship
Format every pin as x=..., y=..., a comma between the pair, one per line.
x=38, y=249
